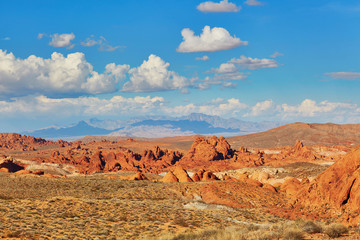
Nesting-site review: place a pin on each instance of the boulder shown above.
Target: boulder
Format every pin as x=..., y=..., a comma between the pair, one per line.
x=181, y=174
x=169, y=177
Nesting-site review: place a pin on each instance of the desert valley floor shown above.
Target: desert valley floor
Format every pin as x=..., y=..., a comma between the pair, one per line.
x=299, y=181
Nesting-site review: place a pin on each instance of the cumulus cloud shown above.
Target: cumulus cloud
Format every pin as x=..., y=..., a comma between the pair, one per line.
x=62, y=40
x=253, y=3
x=58, y=75
x=254, y=63
x=261, y=108
x=310, y=108
x=45, y=107
x=210, y=40
x=153, y=75
x=307, y=111
x=344, y=75
x=231, y=71
x=222, y=6
x=203, y=58
x=82, y=106
x=220, y=107
x=221, y=76
x=225, y=68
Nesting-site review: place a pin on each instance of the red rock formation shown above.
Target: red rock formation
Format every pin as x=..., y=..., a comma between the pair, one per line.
x=269, y=187
x=239, y=195
x=139, y=176
x=300, y=151
x=169, y=177
x=181, y=174
x=14, y=141
x=10, y=165
x=290, y=186
x=336, y=189
x=23, y=172
x=203, y=175
x=209, y=150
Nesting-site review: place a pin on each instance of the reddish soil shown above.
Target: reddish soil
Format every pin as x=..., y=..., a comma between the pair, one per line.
x=309, y=133
x=332, y=194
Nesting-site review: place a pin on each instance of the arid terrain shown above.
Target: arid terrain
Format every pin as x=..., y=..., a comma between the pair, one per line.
x=303, y=185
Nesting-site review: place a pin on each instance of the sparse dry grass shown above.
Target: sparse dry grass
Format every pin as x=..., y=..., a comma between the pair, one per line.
x=89, y=207
x=94, y=206
x=335, y=230
x=311, y=227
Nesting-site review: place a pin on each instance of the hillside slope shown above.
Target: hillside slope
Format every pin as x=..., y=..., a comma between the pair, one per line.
x=308, y=133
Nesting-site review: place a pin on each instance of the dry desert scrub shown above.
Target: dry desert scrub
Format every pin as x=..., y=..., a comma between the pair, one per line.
x=291, y=230
x=311, y=227
x=335, y=230
x=95, y=207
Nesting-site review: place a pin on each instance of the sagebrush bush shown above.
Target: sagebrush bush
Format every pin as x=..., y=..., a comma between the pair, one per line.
x=293, y=234
x=335, y=230
x=311, y=227
x=262, y=234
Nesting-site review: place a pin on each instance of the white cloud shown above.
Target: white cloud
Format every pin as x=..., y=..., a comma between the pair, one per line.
x=261, y=108
x=230, y=71
x=231, y=107
x=210, y=40
x=254, y=63
x=82, y=106
x=57, y=75
x=89, y=42
x=231, y=76
x=153, y=75
x=222, y=6
x=6, y=39
x=253, y=3
x=229, y=84
x=102, y=42
x=62, y=40
x=276, y=54
x=34, y=107
x=109, y=48
x=225, y=68
x=309, y=108
x=41, y=35
x=226, y=72
x=344, y=75
x=203, y=58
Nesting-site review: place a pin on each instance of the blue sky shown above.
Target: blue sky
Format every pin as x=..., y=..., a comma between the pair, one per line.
x=64, y=61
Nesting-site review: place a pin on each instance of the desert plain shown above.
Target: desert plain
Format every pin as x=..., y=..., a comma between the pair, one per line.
x=298, y=181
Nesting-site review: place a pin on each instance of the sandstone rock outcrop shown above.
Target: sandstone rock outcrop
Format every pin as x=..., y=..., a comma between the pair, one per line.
x=203, y=175
x=15, y=141
x=177, y=175
x=209, y=150
x=301, y=151
x=169, y=177
x=336, y=189
x=10, y=165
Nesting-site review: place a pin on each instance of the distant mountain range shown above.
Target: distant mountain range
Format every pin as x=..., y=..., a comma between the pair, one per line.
x=156, y=127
